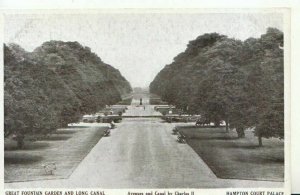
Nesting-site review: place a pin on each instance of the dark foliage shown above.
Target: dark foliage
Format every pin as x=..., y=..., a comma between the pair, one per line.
x=227, y=79
x=55, y=85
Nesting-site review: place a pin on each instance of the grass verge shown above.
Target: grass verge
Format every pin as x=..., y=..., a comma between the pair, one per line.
x=232, y=158
x=66, y=148
x=126, y=101
x=156, y=100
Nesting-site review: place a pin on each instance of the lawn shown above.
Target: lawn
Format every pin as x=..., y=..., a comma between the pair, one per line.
x=66, y=148
x=155, y=100
x=232, y=158
x=126, y=101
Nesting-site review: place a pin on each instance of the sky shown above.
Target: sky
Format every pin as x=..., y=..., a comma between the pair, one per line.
x=138, y=44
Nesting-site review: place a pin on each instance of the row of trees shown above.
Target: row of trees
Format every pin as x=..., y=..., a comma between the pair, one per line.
x=240, y=82
x=55, y=85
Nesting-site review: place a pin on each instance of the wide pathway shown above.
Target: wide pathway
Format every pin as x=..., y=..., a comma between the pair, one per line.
x=142, y=153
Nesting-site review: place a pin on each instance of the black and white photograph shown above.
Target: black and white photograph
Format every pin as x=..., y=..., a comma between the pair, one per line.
x=153, y=99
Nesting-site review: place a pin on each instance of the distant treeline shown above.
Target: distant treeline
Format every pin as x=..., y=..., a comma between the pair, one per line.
x=55, y=85
x=241, y=82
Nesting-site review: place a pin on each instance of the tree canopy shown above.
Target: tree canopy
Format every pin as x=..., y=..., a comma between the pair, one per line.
x=240, y=82
x=55, y=85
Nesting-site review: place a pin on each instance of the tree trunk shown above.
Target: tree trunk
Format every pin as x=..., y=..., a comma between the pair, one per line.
x=227, y=127
x=260, y=141
x=240, y=132
x=217, y=123
x=20, y=142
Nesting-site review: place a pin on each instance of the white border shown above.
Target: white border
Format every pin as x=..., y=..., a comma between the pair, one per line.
x=234, y=9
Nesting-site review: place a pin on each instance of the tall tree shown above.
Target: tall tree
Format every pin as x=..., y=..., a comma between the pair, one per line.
x=227, y=79
x=55, y=85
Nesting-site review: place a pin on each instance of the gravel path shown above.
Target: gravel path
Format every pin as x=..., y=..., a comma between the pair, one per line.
x=142, y=153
